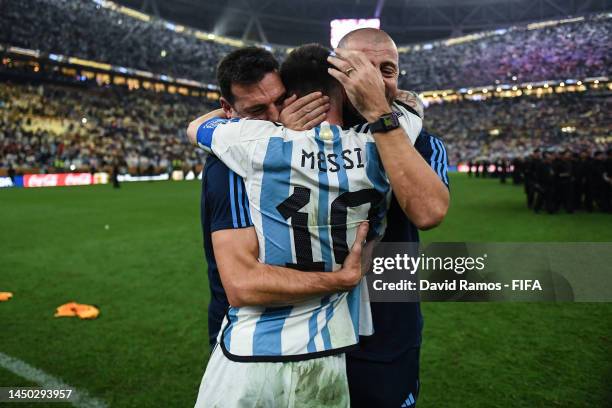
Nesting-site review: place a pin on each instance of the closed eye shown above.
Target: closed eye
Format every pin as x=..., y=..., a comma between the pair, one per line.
x=388, y=70
x=257, y=110
x=281, y=100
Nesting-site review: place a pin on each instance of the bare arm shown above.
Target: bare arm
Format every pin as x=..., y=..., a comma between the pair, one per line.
x=248, y=282
x=419, y=191
x=421, y=194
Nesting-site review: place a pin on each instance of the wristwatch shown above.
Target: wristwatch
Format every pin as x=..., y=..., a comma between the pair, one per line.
x=385, y=123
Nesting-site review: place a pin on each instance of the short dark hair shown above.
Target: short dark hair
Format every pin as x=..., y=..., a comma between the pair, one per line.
x=245, y=66
x=305, y=71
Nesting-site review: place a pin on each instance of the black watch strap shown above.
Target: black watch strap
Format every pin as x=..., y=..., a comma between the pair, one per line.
x=385, y=123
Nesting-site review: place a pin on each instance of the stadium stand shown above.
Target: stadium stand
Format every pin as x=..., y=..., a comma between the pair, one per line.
x=85, y=29
x=53, y=128
x=514, y=127
x=578, y=49
x=50, y=128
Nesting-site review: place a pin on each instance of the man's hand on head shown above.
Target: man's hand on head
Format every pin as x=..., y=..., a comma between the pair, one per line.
x=306, y=112
x=362, y=82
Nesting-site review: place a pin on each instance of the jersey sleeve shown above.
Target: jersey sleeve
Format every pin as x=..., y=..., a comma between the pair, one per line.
x=225, y=198
x=433, y=150
x=233, y=140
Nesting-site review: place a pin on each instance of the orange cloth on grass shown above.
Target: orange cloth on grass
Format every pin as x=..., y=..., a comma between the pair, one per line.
x=87, y=311
x=66, y=310
x=72, y=309
x=4, y=296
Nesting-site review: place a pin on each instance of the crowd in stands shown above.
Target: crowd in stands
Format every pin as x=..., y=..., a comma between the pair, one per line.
x=57, y=128
x=62, y=127
x=83, y=28
x=52, y=127
x=572, y=50
x=514, y=127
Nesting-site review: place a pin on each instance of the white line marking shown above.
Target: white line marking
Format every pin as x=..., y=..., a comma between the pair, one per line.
x=79, y=398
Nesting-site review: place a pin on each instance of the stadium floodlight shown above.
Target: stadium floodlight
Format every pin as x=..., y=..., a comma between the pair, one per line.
x=341, y=27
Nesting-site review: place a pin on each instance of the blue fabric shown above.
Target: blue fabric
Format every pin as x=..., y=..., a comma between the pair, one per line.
x=274, y=188
x=398, y=326
x=216, y=214
x=206, y=130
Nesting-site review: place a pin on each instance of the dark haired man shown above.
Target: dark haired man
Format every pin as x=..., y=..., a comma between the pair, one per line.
x=251, y=87
x=249, y=84
x=342, y=170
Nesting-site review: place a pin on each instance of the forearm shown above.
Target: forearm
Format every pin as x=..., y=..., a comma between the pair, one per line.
x=262, y=285
x=248, y=282
x=192, y=129
x=420, y=193
x=422, y=196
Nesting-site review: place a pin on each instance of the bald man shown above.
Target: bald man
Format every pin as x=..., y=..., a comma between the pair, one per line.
x=384, y=372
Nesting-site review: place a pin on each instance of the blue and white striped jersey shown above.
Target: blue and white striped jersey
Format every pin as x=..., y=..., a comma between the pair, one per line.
x=308, y=192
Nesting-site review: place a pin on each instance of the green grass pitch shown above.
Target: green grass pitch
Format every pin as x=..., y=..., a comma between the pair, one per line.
x=147, y=274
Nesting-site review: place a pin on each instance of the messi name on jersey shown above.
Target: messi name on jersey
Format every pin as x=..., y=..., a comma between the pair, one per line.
x=348, y=159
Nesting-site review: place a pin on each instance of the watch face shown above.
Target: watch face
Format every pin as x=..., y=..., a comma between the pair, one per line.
x=390, y=120
x=386, y=123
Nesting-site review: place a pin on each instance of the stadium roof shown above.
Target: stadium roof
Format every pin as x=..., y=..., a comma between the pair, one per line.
x=292, y=22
